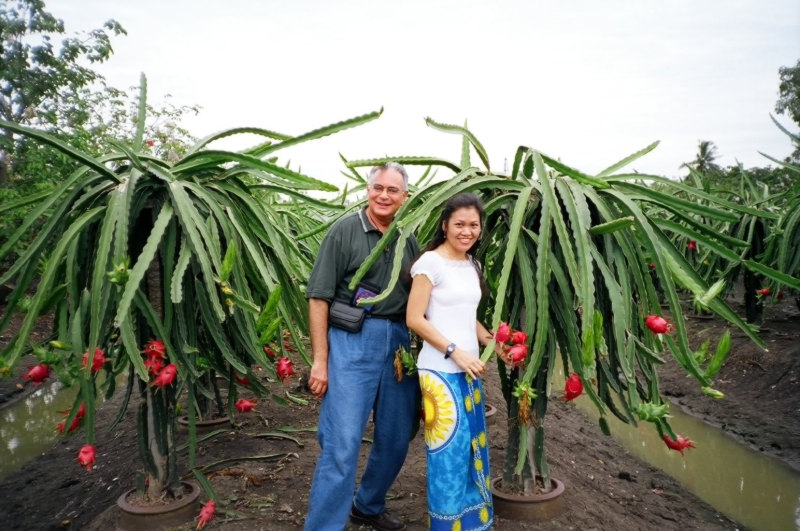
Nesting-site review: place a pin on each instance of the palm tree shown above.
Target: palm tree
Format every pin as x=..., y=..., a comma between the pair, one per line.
x=704, y=160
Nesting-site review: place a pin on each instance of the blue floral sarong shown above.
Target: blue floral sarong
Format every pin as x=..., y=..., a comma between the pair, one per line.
x=459, y=484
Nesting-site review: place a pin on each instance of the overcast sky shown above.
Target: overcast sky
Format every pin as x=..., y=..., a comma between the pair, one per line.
x=587, y=81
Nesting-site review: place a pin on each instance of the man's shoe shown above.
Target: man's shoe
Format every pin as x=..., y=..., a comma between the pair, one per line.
x=379, y=522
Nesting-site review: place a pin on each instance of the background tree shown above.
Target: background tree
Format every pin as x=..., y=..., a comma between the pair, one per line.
x=53, y=90
x=704, y=160
x=778, y=179
x=789, y=91
x=34, y=78
x=789, y=98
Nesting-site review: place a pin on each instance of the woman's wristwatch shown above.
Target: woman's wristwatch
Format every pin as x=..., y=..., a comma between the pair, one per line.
x=450, y=349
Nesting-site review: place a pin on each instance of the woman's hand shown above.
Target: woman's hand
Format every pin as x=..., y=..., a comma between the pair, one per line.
x=472, y=365
x=502, y=353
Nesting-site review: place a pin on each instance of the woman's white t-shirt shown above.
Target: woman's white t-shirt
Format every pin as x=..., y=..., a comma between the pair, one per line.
x=452, y=308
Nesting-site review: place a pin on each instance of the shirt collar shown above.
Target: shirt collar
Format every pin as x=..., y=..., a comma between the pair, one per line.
x=367, y=225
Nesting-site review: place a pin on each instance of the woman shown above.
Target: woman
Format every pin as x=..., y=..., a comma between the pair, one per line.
x=442, y=308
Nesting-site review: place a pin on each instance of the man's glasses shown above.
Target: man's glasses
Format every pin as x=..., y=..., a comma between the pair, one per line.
x=391, y=191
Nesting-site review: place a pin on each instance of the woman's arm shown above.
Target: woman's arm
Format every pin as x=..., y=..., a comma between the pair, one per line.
x=484, y=336
x=418, y=299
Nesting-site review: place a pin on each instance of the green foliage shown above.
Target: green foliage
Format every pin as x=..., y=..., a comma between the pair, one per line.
x=183, y=229
x=782, y=255
x=567, y=256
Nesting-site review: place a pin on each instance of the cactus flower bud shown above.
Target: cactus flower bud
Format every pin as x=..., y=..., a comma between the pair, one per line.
x=713, y=393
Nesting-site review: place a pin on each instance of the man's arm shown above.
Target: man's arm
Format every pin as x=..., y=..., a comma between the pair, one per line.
x=328, y=272
x=318, y=325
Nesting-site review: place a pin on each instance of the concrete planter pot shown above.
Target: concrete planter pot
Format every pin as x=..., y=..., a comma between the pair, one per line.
x=163, y=517
x=491, y=415
x=538, y=508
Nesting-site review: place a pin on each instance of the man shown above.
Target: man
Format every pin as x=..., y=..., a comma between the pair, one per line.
x=354, y=371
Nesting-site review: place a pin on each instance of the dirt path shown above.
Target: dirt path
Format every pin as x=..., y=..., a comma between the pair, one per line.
x=53, y=493
x=762, y=389
x=52, y=489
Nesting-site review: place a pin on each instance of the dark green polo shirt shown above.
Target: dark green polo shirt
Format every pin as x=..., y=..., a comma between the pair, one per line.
x=346, y=246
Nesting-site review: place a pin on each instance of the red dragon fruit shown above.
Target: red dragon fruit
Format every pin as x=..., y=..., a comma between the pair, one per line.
x=206, y=514
x=38, y=373
x=86, y=456
x=573, y=387
x=518, y=354
x=155, y=349
x=503, y=333
x=154, y=365
x=519, y=337
x=166, y=376
x=680, y=444
x=78, y=414
x=243, y=406
x=98, y=359
x=284, y=369
x=76, y=422
x=657, y=324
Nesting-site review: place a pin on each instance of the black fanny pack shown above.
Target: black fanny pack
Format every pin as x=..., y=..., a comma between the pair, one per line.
x=350, y=316
x=346, y=317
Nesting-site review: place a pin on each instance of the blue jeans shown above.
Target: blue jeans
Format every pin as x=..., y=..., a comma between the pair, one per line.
x=361, y=379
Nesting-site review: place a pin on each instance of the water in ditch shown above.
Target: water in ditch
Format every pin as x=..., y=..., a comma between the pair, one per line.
x=756, y=490
x=28, y=426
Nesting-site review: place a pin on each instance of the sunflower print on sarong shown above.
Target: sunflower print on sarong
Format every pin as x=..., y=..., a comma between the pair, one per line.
x=441, y=415
x=459, y=488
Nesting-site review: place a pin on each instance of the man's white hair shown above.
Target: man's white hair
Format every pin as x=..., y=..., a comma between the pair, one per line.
x=389, y=166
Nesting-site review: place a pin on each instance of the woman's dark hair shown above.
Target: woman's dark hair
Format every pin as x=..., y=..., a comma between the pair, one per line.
x=458, y=202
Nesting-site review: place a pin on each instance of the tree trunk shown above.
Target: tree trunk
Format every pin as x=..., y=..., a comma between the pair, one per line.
x=530, y=483
x=159, y=423
x=157, y=483
x=217, y=395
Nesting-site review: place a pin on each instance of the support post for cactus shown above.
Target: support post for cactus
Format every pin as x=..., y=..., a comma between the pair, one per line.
x=156, y=483
x=217, y=395
x=160, y=414
x=530, y=483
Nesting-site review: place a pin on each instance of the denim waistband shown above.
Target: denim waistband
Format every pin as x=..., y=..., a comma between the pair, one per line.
x=395, y=318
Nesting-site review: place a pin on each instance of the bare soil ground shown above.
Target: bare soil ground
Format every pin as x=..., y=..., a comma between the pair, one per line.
x=606, y=488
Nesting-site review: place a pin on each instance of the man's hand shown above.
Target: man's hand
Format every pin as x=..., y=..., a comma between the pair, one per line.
x=318, y=379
